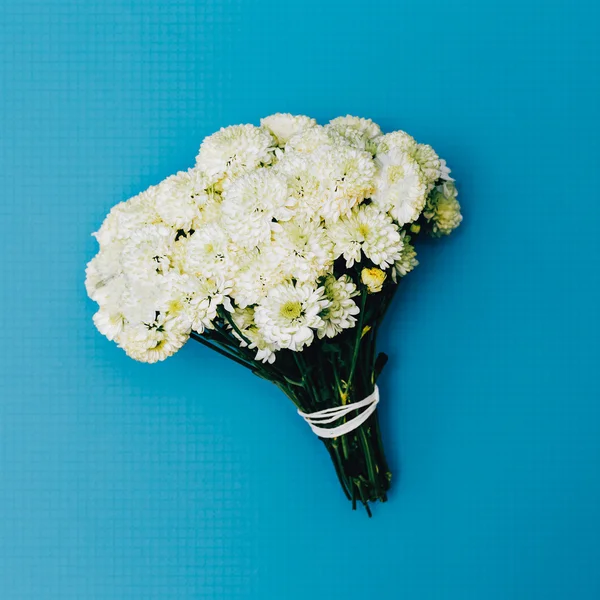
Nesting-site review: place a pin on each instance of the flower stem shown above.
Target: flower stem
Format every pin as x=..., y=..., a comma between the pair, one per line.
x=329, y=373
x=359, y=328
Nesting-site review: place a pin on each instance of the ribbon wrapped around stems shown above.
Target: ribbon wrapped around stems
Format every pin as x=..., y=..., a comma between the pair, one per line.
x=330, y=415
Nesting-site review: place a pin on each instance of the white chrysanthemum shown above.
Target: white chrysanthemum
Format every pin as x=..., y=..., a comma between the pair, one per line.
x=443, y=210
x=250, y=205
x=143, y=297
x=210, y=212
x=148, y=250
x=110, y=318
x=370, y=230
x=289, y=315
x=244, y=321
x=407, y=261
x=155, y=342
x=235, y=150
x=257, y=273
x=309, y=139
x=126, y=217
x=109, y=324
x=305, y=247
x=179, y=253
x=445, y=171
x=340, y=314
x=432, y=166
x=304, y=186
x=396, y=140
x=109, y=230
x=209, y=253
x=400, y=187
x=196, y=300
x=179, y=198
x=347, y=178
x=283, y=126
x=104, y=268
x=259, y=224
x=356, y=131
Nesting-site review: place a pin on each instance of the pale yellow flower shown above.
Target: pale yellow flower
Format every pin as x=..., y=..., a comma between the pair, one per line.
x=373, y=279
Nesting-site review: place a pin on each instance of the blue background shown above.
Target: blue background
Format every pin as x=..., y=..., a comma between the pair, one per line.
x=192, y=479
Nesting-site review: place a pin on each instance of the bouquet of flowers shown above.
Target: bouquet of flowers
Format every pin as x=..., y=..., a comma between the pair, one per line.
x=281, y=250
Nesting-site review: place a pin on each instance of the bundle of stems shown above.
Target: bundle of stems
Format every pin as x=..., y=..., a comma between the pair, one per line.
x=329, y=373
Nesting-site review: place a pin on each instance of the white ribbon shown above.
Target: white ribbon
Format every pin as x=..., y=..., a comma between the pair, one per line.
x=330, y=415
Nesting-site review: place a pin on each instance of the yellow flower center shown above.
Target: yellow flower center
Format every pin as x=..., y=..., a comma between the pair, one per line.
x=159, y=345
x=291, y=310
x=363, y=229
x=175, y=306
x=395, y=173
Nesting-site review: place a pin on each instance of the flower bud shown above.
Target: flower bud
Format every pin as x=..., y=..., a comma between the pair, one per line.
x=442, y=209
x=373, y=279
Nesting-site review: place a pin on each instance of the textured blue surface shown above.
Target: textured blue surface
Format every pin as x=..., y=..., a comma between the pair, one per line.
x=192, y=479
